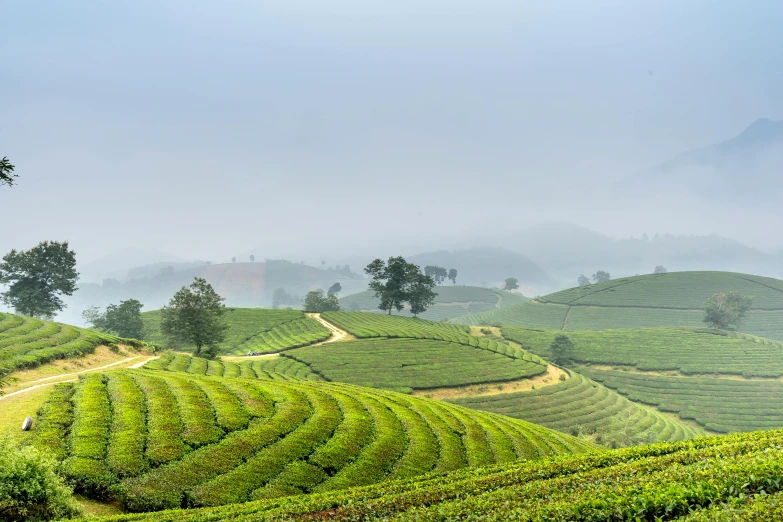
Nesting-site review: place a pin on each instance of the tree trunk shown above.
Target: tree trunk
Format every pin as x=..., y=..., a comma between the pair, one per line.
x=198, y=349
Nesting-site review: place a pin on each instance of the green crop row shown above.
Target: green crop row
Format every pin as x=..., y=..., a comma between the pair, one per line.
x=267, y=368
x=279, y=438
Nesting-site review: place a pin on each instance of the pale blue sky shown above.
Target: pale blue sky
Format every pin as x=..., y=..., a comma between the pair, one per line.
x=205, y=128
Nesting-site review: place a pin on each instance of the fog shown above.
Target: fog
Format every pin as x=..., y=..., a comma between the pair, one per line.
x=177, y=131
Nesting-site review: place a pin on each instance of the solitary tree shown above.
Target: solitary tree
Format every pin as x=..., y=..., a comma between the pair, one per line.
x=583, y=280
x=397, y=282
x=318, y=301
x=335, y=288
x=38, y=277
x=420, y=294
x=123, y=319
x=561, y=348
x=660, y=269
x=453, y=275
x=7, y=175
x=601, y=276
x=252, y=258
x=726, y=309
x=511, y=284
x=196, y=314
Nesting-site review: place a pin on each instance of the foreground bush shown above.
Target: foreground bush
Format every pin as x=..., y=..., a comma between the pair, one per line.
x=29, y=487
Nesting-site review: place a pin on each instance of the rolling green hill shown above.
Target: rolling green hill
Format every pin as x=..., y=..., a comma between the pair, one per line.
x=451, y=302
x=252, y=329
x=26, y=342
x=728, y=478
x=159, y=439
x=673, y=299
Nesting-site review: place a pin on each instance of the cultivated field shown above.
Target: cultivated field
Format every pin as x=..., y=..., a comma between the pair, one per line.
x=252, y=330
x=727, y=478
x=159, y=439
x=267, y=368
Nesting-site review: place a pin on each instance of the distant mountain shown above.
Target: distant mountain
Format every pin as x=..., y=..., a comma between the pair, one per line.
x=746, y=167
x=116, y=265
x=483, y=265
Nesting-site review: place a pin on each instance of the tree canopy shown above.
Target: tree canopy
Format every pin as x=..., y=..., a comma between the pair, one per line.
x=335, y=288
x=195, y=314
x=7, y=176
x=601, y=276
x=123, y=319
x=38, y=277
x=725, y=310
x=319, y=301
x=583, y=280
x=561, y=348
x=453, y=275
x=660, y=269
x=511, y=283
x=396, y=282
x=437, y=273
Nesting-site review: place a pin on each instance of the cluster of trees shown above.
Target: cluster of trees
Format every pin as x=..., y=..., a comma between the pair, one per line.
x=440, y=274
x=123, y=319
x=599, y=277
x=282, y=298
x=320, y=301
x=397, y=282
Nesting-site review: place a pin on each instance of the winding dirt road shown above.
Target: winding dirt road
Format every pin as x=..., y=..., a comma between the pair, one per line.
x=337, y=333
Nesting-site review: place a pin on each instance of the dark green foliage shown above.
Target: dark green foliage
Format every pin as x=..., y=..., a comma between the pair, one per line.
x=397, y=282
x=195, y=315
x=38, y=277
x=420, y=294
x=453, y=275
x=437, y=273
x=660, y=269
x=726, y=309
x=318, y=301
x=561, y=348
x=511, y=283
x=123, y=319
x=7, y=172
x=30, y=489
x=335, y=288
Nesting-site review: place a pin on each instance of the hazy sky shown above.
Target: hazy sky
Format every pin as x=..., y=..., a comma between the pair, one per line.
x=207, y=128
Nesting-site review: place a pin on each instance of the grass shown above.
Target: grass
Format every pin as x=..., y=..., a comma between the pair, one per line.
x=251, y=330
x=13, y=410
x=243, y=439
x=735, y=477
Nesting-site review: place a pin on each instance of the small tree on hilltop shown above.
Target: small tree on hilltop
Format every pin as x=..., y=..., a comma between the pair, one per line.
x=7, y=172
x=453, y=275
x=335, y=289
x=561, y=348
x=601, y=276
x=319, y=301
x=196, y=314
x=38, y=277
x=583, y=280
x=511, y=283
x=660, y=269
x=726, y=309
x=397, y=282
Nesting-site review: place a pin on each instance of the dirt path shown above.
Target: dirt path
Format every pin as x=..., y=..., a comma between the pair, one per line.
x=71, y=377
x=565, y=321
x=337, y=333
x=552, y=376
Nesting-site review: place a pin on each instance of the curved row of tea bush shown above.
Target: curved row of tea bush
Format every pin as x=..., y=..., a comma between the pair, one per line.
x=721, y=405
x=581, y=406
x=415, y=364
x=26, y=342
x=698, y=480
x=204, y=441
x=687, y=350
x=268, y=368
x=252, y=330
x=530, y=314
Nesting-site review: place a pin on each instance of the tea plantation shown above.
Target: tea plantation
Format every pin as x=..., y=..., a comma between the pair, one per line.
x=253, y=330
x=268, y=368
x=26, y=342
x=734, y=478
x=161, y=440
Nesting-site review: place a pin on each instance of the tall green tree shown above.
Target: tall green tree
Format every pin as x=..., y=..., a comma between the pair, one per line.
x=196, y=314
x=560, y=349
x=726, y=309
x=7, y=176
x=335, y=289
x=453, y=275
x=123, y=319
x=38, y=277
x=319, y=301
x=396, y=282
x=511, y=283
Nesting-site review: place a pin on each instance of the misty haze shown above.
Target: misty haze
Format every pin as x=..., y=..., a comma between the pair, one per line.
x=255, y=250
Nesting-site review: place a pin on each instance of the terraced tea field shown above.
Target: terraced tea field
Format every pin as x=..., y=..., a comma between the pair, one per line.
x=26, y=342
x=727, y=478
x=267, y=368
x=673, y=299
x=252, y=330
x=161, y=439
x=451, y=302
x=687, y=350
x=581, y=405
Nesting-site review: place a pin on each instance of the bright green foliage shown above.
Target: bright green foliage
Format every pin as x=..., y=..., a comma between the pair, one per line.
x=30, y=489
x=406, y=364
x=529, y=313
x=579, y=405
x=287, y=437
x=128, y=432
x=254, y=330
x=195, y=315
x=319, y=301
x=280, y=368
x=721, y=405
x=726, y=309
x=365, y=325
x=688, y=350
x=56, y=416
x=38, y=277
x=729, y=478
